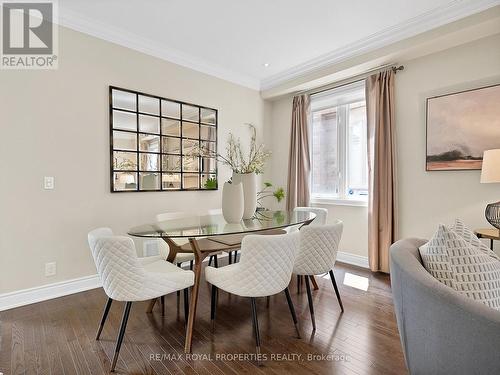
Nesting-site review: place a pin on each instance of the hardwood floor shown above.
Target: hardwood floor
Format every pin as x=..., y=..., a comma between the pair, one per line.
x=57, y=336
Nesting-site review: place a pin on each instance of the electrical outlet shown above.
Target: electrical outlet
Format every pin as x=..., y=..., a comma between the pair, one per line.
x=50, y=269
x=48, y=183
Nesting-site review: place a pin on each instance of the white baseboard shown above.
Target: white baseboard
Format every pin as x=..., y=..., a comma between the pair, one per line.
x=355, y=260
x=46, y=292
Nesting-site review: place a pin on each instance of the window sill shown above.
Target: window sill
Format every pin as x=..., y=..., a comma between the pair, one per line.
x=341, y=202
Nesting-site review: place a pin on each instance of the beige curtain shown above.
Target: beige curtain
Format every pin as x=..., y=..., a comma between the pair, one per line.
x=298, y=159
x=382, y=197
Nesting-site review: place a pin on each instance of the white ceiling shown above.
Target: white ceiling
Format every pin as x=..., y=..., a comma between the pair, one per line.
x=233, y=39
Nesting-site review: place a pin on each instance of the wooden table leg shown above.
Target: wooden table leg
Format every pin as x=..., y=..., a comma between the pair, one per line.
x=314, y=283
x=199, y=256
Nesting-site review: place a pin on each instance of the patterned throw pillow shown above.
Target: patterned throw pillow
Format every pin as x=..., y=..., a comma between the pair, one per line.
x=435, y=257
x=468, y=235
x=466, y=268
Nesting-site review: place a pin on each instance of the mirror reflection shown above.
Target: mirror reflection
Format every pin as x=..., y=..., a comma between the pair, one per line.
x=161, y=144
x=149, y=181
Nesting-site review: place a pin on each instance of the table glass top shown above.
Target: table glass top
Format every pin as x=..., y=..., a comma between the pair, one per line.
x=215, y=225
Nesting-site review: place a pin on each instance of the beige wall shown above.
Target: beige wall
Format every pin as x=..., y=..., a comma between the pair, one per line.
x=429, y=198
x=55, y=123
x=426, y=198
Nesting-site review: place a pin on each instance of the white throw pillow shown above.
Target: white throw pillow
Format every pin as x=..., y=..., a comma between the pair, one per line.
x=462, y=266
x=435, y=257
x=468, y=235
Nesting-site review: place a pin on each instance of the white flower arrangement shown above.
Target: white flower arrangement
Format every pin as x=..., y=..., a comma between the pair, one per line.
x=235, y=157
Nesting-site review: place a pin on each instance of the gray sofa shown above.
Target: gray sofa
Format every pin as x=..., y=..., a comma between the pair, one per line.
x=442, y=332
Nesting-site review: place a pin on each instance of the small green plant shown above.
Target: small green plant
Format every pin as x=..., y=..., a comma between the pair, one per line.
x=278, y=193
x=211, y=184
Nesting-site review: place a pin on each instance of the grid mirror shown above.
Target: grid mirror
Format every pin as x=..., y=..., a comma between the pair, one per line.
x=160, y=144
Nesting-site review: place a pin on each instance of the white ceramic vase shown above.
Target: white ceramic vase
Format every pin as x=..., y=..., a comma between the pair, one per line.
x=232, y=202
x=249, y=182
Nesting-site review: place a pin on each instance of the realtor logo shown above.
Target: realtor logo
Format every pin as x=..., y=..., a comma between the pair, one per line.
x=29, y=35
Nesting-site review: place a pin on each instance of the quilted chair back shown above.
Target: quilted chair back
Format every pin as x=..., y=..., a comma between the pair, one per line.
x=318, y=248
x=94, y=235
x=321, y=214
x=120, y=271
x=266, y=263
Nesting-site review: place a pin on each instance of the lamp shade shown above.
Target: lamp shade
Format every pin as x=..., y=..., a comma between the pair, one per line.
x=490, y=171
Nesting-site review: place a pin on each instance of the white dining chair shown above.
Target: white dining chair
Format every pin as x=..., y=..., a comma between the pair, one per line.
x=318, y=246
x=264, y=269
x=320, y=219
x=125, y=278
x=149, y=262
x=321, y=214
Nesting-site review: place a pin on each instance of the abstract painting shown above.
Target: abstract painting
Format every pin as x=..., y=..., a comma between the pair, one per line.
x=460, y=127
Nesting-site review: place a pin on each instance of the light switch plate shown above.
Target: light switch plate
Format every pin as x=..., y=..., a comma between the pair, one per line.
x=48, y=183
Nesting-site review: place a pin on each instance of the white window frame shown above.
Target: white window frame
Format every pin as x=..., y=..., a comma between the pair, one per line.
x=343, y=198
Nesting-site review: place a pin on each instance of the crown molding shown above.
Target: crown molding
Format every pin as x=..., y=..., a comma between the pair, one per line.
x=434, y=18
x=429, y=20
x=127, y=39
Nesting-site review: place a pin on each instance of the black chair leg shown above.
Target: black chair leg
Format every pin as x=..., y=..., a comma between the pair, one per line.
x=186, y=305
x=210, y=260
x=298, y=283
x=230, y=257
x=268, y=300
x=256, y=328
x=310, y=301
x=292, y=311
x=162, y=301
x=191, y=265
x=332, y=277
x=119, y=341
x=104, y=316
x=213, y=306
x=216, y=262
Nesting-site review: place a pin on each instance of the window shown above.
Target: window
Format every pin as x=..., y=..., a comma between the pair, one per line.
x=155, y=143
x=338, y=144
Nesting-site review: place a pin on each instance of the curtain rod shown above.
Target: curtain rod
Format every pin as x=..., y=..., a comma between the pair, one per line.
x=360, y=77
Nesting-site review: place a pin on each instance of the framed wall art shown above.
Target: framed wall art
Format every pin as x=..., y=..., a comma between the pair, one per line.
x=460, y=127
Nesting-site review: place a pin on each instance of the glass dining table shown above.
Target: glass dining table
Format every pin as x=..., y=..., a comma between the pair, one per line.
x=207, y=234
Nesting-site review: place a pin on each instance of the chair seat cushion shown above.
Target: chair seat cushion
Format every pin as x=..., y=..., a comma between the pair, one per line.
x=183, y=257
x=232, y=280
x=159, y=265
x=463, y=266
